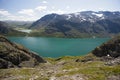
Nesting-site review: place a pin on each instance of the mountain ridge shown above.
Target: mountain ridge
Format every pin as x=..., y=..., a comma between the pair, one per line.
x=74, y=24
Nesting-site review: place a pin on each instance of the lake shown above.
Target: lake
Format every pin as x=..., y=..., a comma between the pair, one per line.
x=56, y=47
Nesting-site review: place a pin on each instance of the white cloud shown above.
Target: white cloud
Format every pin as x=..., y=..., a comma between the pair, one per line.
x=67, y=7
x=29, y=12
x=18, y=18
x=21, y=18
x=101, y=9
x=53, y=7
x=44, y=2
x=82, y=10
x=57, y=11
x=40, y=8
x=4, y=12
x=5, y=15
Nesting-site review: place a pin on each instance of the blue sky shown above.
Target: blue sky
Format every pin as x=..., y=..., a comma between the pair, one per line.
x=29, y=10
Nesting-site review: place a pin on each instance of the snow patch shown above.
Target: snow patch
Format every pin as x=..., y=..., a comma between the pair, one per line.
x=114, y=13
x=102, y=17
x=83, y=19
x=68, y=17
x=99, y=15
x=77, y=14
x=91, y=20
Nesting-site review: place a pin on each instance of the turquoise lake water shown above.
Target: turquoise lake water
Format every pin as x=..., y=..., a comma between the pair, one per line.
x=57, y=47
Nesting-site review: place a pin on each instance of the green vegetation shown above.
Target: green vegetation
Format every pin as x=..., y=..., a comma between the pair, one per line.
x=15, y=33
x=20, y=74
x=58, y=67
x=93, y=70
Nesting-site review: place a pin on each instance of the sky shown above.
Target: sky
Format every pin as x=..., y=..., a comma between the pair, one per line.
x=31, y=10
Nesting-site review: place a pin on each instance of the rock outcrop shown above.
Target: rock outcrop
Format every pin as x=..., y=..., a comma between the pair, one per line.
x=15, y=55
x=111, y=48
x=109, y=51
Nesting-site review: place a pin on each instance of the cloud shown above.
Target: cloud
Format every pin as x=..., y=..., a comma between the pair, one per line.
x=57, y=11
x=44, y=2
x=21, y=18
x=18, y=18
x=4, y=12
x=67, y=7
x=40, y=8
x=101, y=9
x=53, y=7
x=6, y=15
x=29, y=12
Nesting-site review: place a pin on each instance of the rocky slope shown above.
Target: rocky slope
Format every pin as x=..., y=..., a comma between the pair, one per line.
x=111, y=48
x=15, y=55
x=80, y=24
x=109, y=51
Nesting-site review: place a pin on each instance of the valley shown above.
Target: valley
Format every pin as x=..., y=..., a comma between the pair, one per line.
x=84, y=24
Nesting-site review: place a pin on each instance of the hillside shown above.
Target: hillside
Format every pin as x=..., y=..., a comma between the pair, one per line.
x=6, y=29
x=19, y=24
x=15, y=55
x=97, y=65
x=80, y=24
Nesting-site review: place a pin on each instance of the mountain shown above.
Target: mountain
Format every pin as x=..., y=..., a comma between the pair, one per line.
x=87, y=23
x=15, y=55
x=6, y=29
x=17, y=24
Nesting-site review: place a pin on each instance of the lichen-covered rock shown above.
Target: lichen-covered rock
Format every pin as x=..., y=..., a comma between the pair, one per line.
x=14, y=55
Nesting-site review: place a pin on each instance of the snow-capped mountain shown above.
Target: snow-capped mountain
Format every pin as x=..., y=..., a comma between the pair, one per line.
x=91, y=16
x=90, y=22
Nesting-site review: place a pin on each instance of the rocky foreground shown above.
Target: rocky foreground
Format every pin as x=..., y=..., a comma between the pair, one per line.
x=103, y=63
x=15, y=55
